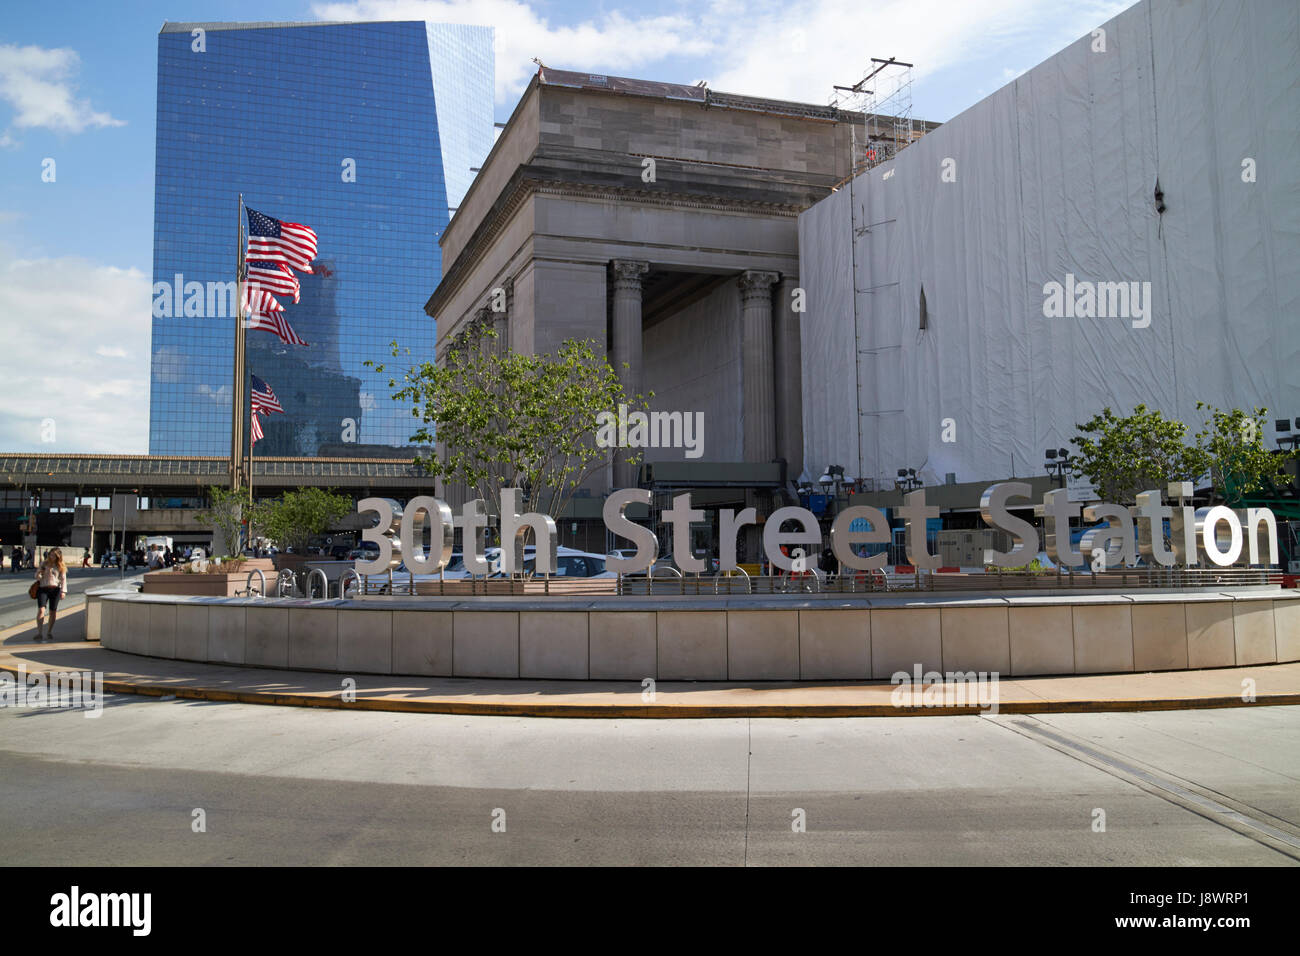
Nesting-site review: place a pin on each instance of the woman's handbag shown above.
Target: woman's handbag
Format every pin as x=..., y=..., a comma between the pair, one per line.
x=31, y=591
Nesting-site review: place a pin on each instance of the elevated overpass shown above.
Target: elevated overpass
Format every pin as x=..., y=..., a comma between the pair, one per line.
x=72, y=497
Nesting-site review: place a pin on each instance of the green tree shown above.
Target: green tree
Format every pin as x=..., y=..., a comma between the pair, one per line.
x=1125, y=455
x=292, y=519
x=1232, y=444
x=504, y=419
x=225, y=515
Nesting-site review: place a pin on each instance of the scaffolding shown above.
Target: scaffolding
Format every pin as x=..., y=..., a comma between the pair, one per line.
x=886, y=108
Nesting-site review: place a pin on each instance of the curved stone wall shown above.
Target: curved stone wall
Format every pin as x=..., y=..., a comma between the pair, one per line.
x=736, y=639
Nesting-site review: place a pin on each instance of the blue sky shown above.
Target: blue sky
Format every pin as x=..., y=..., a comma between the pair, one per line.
x=77, y=86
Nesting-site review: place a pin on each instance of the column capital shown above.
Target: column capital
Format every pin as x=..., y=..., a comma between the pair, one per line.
x=754, y=284
x=627, y=273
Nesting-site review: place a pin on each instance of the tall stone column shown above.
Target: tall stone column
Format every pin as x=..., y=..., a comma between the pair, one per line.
x=625, y=349
x=787, y=359
x=758, y=370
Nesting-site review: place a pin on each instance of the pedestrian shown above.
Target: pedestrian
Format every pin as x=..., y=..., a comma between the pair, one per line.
x=15, y=559
x=85, y=559
x=51, y=587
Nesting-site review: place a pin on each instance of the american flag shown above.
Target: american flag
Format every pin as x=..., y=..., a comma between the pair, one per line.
x=267, y=314
x=255, y=432
x=259, y=300
x=263, y=399
x=274, y=277
x=271, y=240
x=276, y=324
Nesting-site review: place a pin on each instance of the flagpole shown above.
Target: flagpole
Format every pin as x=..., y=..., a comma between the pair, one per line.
x=237, y=388
x=251, y=444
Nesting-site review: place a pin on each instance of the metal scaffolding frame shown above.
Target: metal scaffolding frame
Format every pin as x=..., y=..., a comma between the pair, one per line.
x=886, y=108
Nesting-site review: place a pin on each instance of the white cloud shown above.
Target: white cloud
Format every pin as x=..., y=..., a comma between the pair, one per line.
x=799, y=51
x=613, y=42
x=40, y=84
x=221, y=394
x=795, y=50
x=56, y=316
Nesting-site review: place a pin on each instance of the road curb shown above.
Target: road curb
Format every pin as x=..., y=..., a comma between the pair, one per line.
x=673, y=711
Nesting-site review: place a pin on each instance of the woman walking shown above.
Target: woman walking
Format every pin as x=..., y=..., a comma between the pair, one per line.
x=51, y=586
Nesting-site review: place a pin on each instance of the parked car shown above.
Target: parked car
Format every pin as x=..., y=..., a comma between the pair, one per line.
x=570, y=563
x=366, y=551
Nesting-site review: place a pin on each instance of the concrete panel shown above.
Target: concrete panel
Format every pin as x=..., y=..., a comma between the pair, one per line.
x=1286, y=625
x=366, y=641
x=901, y=638
x=1210, y=638
x=94, y=617
x=1042, y=640
x=1253, y=627
x=266, y=636
x=692, y=645
x=835, y=645
x=226, y=634
x=486, y=643
x=1159, y=637
x=422, y=643
x=622, y=645
x=112, y=613
x=553, y=645
x=762, y=645
x=121, y=625
x=976, y=639
x=314, y=638
x=192, y=632
x=137, y=628
x=1103, y=638
x=162, y=630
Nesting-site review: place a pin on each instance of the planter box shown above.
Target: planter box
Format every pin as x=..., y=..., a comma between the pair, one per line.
x=211, y=583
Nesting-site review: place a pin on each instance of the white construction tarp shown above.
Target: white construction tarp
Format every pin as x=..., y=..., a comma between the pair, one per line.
x=1053, y=177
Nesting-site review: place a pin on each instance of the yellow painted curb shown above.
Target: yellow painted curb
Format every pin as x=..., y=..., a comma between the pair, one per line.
x=676, y=711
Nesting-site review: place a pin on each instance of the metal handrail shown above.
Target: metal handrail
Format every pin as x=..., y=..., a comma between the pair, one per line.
x=248, y=589
x=324, y=581
x=343, y=588
x=654, y=571
x=749, y=585
x=812, y=574
x=286, y=583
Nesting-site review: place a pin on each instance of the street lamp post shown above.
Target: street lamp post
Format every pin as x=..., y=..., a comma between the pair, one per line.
x=1284, y=435
x=1058, y=463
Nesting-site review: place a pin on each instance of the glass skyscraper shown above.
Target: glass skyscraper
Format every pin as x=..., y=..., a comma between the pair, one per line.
x=362, y=131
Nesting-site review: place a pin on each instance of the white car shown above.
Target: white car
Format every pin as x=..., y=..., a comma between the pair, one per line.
x=570, y=563
x=454, y=571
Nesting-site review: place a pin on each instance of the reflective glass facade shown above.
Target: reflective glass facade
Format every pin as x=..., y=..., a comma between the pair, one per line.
x=463, y=77
x=284, y=114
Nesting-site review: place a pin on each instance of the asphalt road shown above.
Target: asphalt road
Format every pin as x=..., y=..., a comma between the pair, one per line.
x=300, y=786
x=16, y=607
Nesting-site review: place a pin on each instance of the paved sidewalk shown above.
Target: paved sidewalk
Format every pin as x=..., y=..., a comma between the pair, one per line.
x=132, y=674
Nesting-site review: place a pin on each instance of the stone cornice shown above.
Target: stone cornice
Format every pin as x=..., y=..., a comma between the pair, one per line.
x=522, y=187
